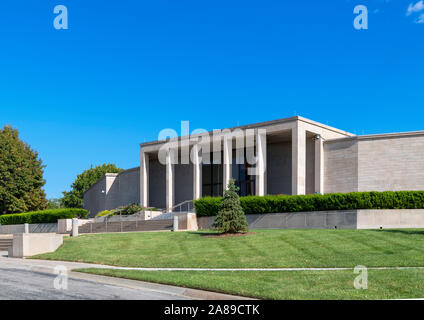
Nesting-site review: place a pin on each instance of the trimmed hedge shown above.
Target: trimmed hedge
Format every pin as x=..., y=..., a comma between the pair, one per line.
x=209, y=206
x=43, y=216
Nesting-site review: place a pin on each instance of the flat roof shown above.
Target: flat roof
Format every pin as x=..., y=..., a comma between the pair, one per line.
x=381, y=136
x=258, y=125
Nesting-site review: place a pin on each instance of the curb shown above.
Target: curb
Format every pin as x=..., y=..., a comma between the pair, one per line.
x=187, y=293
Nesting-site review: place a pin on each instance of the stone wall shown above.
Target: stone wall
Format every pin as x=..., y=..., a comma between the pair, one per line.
x=340, y=166
x=128, y=185
x=94, y=198
x=391, y=163
x=112, y=191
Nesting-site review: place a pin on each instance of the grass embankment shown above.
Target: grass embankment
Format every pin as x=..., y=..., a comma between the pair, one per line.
x=382, y=284
x=264, y=249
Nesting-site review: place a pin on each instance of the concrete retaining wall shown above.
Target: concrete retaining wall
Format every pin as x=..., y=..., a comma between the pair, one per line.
x=406, y=218
x=29, y=244
x=344, y=219
x=33, y=228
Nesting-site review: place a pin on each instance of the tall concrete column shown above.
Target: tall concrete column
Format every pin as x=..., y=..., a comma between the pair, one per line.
x=228, y=157
x=319, y=164
x=197, y=173
x=298, y=160
x=144, y=179
x=261, y=163
x=170, y=195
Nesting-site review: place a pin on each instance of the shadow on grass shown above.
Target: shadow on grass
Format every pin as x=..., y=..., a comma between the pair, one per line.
x=401, y=231
x=217, y=234
x=221, y=235
x=203, y=233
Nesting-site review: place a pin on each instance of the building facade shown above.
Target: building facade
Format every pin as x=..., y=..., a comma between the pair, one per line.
x=286, y=156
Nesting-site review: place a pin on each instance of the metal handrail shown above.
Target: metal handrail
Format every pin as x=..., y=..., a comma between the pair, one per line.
x=189, y=204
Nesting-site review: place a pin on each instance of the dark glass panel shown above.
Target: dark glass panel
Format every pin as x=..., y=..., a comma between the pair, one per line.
x=206, y=190
x=206, y=174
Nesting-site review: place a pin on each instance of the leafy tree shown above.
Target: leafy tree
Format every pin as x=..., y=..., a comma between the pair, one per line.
x=21, y=175
x=231, y=217
x=74, y=198
x=54, y=203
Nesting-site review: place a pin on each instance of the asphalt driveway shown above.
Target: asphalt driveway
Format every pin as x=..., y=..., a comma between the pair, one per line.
x=20, y=279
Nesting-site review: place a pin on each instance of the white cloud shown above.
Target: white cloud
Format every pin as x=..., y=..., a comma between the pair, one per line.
x=420, y=19
x=415, y=7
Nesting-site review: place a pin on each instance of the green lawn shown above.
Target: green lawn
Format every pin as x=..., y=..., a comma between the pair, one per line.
x=265, y=248
x=382, y=284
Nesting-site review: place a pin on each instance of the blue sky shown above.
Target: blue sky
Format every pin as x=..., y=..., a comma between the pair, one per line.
x=124, y=70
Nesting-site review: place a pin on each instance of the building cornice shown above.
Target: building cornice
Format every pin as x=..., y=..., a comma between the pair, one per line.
x=254, y=126
x=379, y=136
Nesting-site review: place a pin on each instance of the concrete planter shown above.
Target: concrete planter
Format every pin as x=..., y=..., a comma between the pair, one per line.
x=29, y=244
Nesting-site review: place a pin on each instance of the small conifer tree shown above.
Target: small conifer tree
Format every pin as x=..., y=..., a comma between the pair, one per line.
x=230, y=217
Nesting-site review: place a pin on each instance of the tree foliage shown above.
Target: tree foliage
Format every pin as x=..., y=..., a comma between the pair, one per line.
x=74, y=198
x=21, y=175
x=231, y=217
x=55, y=203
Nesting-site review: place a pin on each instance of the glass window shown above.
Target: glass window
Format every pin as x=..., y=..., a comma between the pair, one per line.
x=206, y=174
x=212, y=179
x=243, y=180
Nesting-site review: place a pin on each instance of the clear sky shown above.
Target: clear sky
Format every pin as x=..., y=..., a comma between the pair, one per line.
x=124, y=70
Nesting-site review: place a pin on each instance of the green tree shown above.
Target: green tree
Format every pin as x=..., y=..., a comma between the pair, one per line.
x=55, y=203
x=74, y=198
x=231, y=217
x=21, y=175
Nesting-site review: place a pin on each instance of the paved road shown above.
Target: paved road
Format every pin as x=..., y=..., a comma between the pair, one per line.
x=23, y=281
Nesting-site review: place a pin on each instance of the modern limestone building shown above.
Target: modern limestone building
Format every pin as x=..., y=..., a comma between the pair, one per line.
x=287, y=156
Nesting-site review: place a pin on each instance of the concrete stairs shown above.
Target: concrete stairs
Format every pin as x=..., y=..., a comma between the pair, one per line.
x=127, y=226
x=5, y=243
